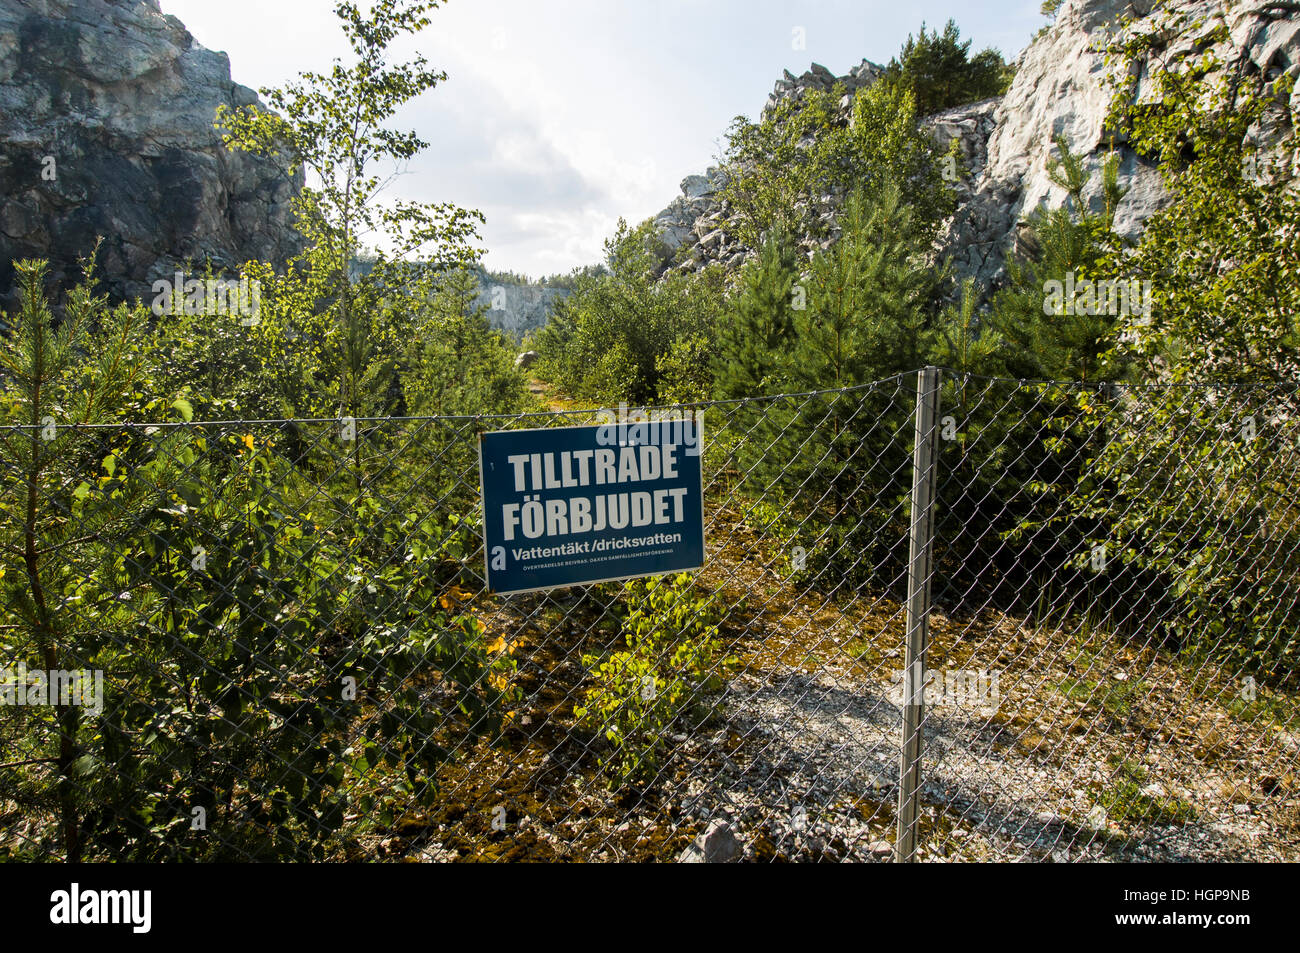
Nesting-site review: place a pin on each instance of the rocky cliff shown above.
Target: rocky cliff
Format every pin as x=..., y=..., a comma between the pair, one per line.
x=106, y=112
x=517, y=308
x=1059, y=89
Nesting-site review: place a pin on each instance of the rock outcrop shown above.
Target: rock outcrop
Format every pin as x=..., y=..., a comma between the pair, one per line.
x=691, y=227
x=106, y=128
x=1059, y=88
x=517, y=308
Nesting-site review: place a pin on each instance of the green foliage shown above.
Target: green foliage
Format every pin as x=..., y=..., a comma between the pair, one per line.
x=869, y=298
x=55, y=376
x=673, y=656
x=1050, y=9
x=627, y=335
x=1127, y=802
x=456, y=363
x=866, y=305
x=622, y=334
x=565, y=281
x=1020, y=450
x=1182, y=497
x=939, y=72
x=332, y=126
x=1060, y=339
x=222, y=688
x=1115, y=697
x=759, y=321
x=686, y=371
x=222, y=691
x=271, y=366
x=569, y=280
x=1224, y=256
x=802, y=150
x=1170, y=479
x=870, y=295
x=965, y=343
x=260, y=642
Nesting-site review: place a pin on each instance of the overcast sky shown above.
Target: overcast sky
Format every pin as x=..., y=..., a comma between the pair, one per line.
x=560, y=116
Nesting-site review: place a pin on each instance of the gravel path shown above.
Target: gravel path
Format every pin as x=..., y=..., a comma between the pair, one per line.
x=805, y=765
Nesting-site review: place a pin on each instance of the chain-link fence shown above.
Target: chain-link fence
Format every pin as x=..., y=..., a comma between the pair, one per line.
x=271, y=639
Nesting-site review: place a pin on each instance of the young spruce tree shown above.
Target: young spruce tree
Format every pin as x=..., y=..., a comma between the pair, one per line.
x=755, y=333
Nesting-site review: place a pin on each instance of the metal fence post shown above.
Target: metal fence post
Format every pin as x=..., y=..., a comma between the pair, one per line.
x=925, y=457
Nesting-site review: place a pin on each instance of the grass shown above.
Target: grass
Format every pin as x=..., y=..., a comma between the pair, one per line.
x=1267, y=707
x=1116, y=698
x=1126, y=803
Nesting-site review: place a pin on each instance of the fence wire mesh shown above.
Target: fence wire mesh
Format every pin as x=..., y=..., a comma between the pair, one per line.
x=272, y=640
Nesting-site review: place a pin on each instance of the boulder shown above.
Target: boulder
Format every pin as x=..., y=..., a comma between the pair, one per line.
x=697, y=186
x=717, y=845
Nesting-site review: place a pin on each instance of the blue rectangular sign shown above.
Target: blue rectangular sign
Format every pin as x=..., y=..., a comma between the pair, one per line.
x=572, y=505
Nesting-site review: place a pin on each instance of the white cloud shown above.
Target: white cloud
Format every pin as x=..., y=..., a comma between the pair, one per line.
x=559, y=117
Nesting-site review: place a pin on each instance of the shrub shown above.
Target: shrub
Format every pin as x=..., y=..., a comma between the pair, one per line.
x=673, y=656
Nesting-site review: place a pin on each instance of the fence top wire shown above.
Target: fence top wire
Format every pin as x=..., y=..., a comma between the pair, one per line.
x=1116, y=384
x=466, y=418
x=895, y=379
